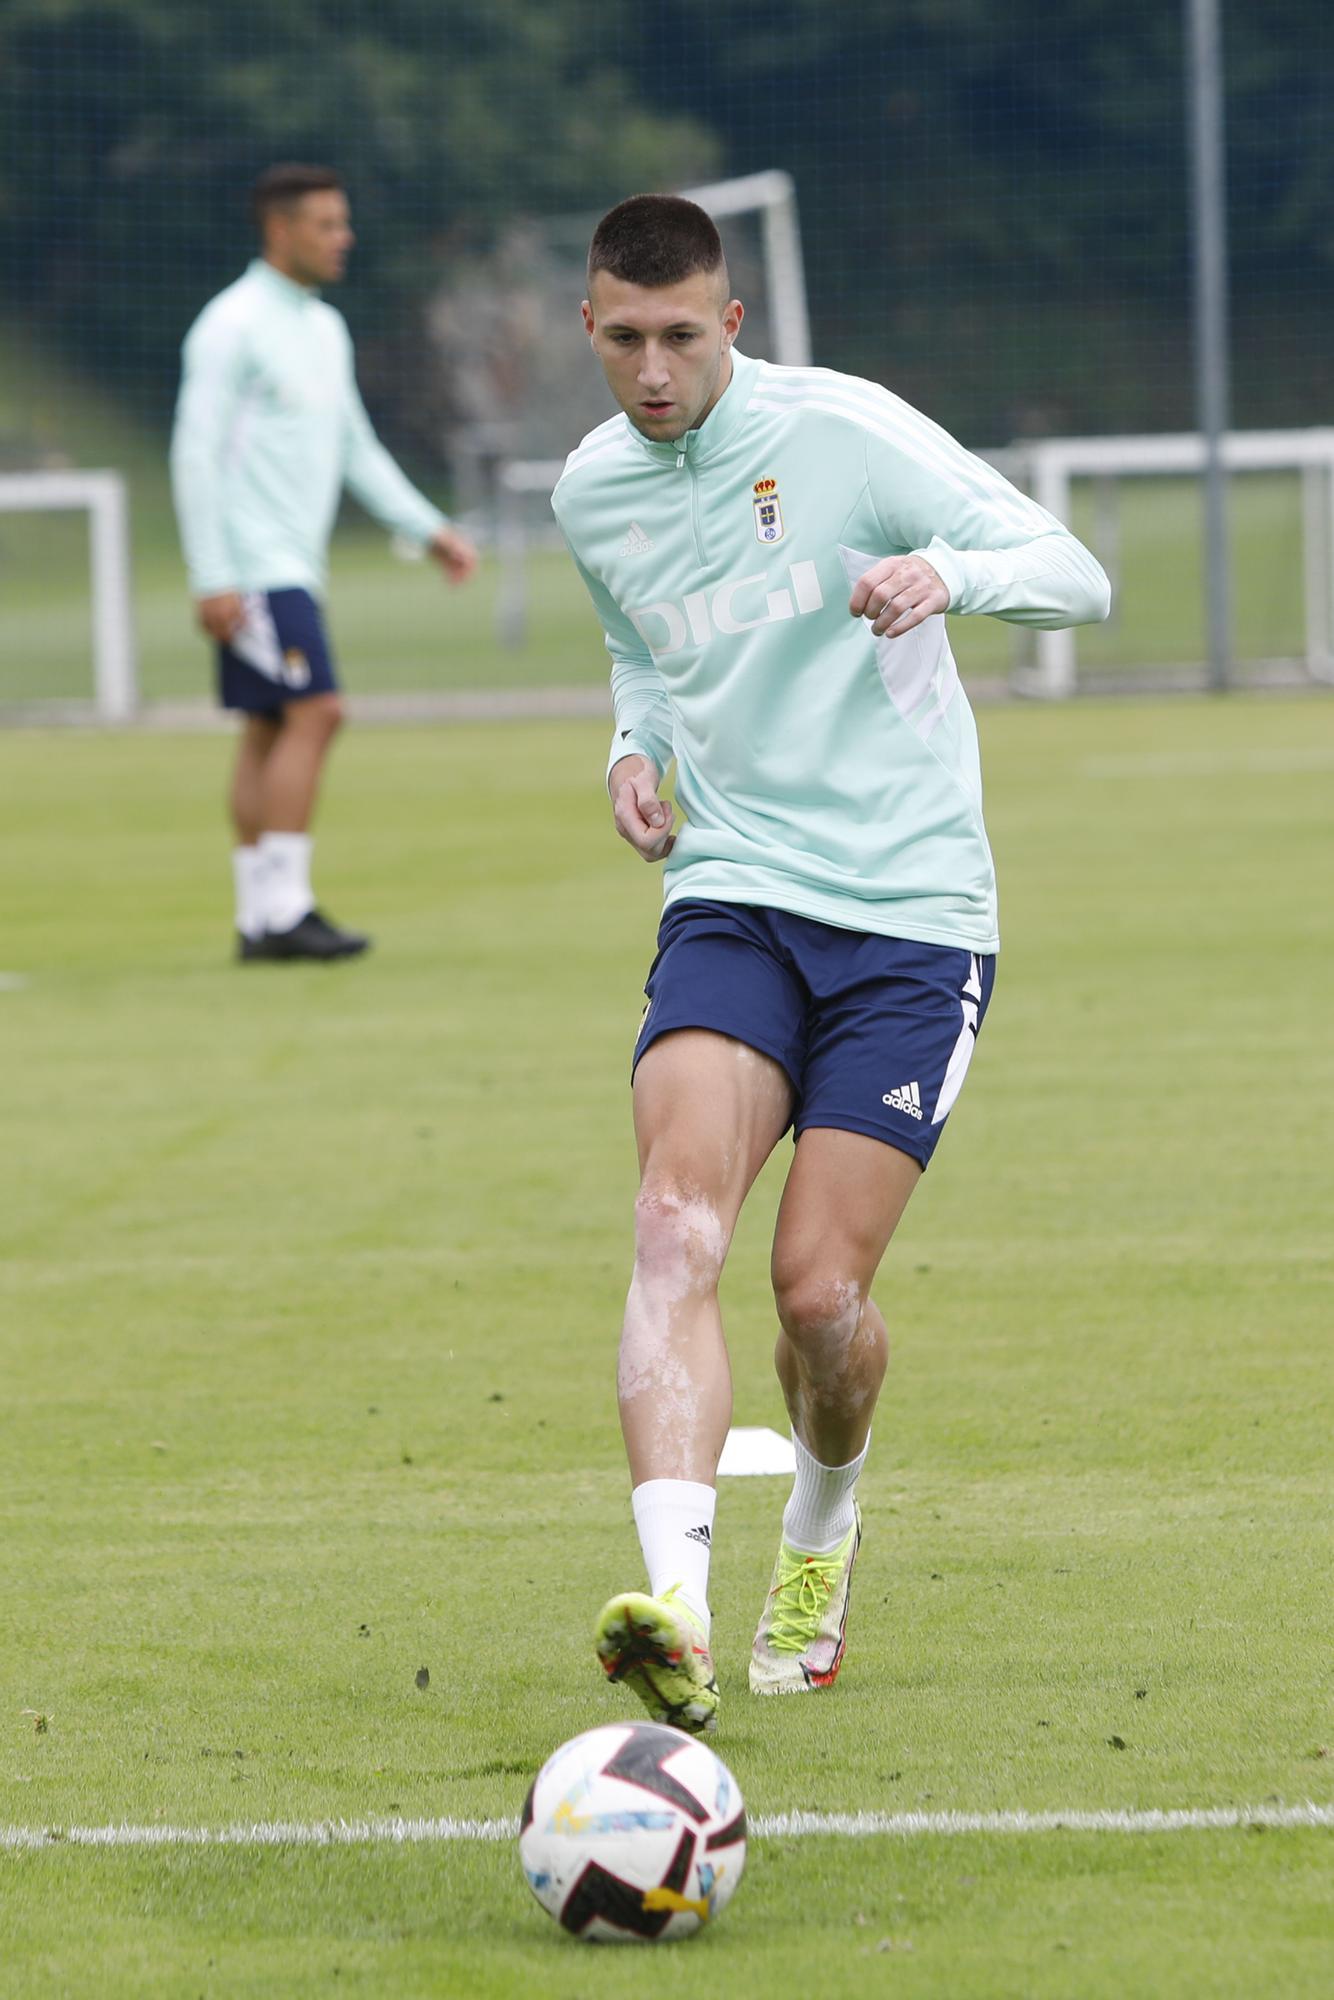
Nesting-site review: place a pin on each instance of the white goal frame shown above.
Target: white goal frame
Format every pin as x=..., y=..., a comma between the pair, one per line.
x=1047, y=467
x=103, y=496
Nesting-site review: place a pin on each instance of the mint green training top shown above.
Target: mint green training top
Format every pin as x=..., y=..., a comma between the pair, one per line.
x=269, y=428
x=820, y=770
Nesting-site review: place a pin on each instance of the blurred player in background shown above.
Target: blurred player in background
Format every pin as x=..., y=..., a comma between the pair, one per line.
x=771, y=552
x=269, y=429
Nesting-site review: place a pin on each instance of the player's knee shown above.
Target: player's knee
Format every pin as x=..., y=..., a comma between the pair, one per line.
x=321, y=716
x=680, y=1240
x=817, y=1309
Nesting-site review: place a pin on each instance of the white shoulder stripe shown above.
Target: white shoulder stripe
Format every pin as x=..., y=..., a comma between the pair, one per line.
x=925, y=437
x=883, y=406
x=614, y=422
x=801, y=383
x=598, y=435
x=595, y=445
x=819, y=380
x=956, y=468
x=878, y=405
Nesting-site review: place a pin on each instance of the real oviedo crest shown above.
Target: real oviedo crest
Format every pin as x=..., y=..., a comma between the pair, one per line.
x=768, y=513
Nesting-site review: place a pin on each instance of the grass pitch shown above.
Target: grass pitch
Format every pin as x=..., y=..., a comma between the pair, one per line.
x=310, y=1283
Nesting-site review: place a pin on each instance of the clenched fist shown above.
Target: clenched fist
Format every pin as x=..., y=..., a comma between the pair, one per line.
x=898, y=593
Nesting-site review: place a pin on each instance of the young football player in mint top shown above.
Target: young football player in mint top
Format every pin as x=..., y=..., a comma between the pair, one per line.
x=772, y=552
x=269, y=429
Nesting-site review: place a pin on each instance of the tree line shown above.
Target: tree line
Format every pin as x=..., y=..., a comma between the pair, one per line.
x=994, y=199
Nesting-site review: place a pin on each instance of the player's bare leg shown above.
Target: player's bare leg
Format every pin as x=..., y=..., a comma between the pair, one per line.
x=296, y=762
x=708, y=1112
x=254, y=746
x=280, y=761
x=258, y=735
x=841, y=1205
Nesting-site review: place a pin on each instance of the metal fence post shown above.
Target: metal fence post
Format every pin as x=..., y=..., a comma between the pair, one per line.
x=1204, y=78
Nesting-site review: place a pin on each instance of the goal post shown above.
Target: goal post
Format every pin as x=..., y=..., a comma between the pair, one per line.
x=518, y=480
x=773, y=197
x=1048, y=466
x=102, y=495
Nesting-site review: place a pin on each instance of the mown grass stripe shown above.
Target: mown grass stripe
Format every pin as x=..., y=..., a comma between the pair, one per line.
x=795, y=1825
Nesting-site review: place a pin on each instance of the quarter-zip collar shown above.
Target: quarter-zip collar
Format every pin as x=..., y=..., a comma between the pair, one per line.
x=282, y=287
x=718, y=427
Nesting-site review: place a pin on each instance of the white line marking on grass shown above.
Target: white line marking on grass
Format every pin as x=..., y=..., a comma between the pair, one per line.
x=265, y=1833
x=763, y=1826
x=1210, y=763
x=1192, y=1819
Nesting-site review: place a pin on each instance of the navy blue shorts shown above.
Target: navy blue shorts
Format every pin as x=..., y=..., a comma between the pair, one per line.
x=876, y=1033
x=280, y=654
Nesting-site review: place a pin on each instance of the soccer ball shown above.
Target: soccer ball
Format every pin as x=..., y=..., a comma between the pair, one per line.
x=633, y=1834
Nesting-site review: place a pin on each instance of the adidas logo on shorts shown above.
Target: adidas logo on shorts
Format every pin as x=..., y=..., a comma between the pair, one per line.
x=906, y=1098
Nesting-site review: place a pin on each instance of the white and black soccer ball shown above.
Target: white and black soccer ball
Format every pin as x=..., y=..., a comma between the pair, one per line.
x=634, y=1834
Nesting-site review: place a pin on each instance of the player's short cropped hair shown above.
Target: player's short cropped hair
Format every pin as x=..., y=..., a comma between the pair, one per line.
x=654, y=240
x=285, y=185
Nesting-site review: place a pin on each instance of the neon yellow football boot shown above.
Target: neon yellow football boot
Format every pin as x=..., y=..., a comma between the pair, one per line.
x=803, y=1628
x=655, y=1646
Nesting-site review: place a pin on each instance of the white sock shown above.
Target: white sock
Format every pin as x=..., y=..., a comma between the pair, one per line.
x=249, y=874
x=675, y=1522
x=287, y=892
x=819, y=1515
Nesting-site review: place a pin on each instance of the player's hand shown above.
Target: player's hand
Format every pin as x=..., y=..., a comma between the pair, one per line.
x=641, y=816
x=898, y=593
x=221, y=615
x=454, y=552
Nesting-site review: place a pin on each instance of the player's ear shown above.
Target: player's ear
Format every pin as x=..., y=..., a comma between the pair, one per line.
x=587, y=311
x=733, y=314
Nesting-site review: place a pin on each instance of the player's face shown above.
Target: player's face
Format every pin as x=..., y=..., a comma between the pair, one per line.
x=665, y=351
x=309, y=242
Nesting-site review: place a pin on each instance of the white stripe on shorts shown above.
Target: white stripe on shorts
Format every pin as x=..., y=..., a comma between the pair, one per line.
x=962, y=1054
